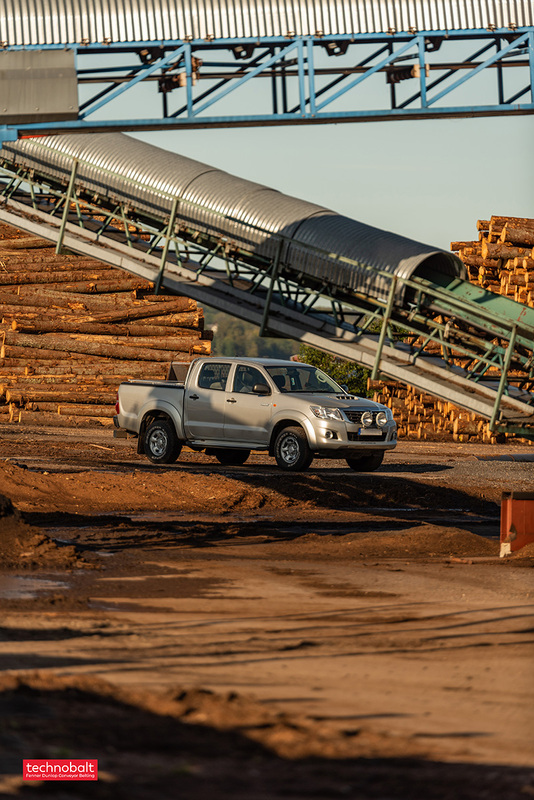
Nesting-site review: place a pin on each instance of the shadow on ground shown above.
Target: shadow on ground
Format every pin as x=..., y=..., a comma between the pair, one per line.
x=132, y=535
x=195, y=744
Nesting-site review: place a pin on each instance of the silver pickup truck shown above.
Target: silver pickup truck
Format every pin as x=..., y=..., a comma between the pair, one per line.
x=230, y=406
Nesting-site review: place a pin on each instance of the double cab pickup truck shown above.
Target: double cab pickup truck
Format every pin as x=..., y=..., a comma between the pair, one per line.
x=227, y=407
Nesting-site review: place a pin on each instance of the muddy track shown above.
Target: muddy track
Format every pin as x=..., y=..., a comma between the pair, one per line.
x=240, y=633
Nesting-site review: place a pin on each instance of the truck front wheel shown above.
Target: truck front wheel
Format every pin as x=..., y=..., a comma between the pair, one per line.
x=366, y=463
x=161, y=443
x=292, y=451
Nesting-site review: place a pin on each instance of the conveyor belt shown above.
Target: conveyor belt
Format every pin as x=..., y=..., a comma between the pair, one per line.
x=293, y=268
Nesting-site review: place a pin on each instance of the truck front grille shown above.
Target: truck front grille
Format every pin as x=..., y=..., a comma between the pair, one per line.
x=354, y=415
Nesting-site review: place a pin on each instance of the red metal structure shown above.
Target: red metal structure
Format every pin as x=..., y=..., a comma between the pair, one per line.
x=517, y=521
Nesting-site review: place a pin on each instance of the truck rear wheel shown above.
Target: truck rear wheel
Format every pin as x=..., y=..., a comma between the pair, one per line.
x=366, y=463
x=161, y=443
x=292, y=451
x=231, y=457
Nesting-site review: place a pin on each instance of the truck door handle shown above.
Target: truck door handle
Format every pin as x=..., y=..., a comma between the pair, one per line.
x=231, y=400
x=194, y=397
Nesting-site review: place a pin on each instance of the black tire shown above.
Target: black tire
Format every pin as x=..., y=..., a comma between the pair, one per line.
x=292, y=451
x=366, y=463
x=231, y=457
x=160, y=442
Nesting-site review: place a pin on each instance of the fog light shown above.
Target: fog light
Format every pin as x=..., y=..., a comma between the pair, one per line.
x=367, y=419
x=328, y=435
x=381, y=419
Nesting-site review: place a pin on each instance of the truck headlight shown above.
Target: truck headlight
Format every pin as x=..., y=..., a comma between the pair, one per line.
x=381, y=419
x=367, y=419
x=326, y=413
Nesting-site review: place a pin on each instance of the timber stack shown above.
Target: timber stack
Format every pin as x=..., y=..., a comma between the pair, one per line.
x=501, y=260
x=71, y=329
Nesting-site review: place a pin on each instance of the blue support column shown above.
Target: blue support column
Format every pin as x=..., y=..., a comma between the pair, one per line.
x=311, y=77
x=422, y=69
x=302, y=80
x=189, y=80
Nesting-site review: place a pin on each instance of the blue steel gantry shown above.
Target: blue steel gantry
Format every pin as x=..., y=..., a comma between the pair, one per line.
x=190, y=69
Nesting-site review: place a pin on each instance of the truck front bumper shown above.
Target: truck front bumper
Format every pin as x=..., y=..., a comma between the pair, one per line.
x=339, y=439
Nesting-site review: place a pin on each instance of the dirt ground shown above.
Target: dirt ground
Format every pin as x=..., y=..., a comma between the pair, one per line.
x=214, y=632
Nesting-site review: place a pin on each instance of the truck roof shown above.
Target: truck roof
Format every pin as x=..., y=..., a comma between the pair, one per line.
x=266, y=362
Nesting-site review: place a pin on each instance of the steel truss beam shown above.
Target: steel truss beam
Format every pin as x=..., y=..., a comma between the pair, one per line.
x=299, y=80
x=392, y=341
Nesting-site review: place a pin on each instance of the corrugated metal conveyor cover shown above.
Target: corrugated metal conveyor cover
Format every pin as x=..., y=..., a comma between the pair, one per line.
x=111, y=164
x=371, y=247
x=253, y=216
x=45, y=22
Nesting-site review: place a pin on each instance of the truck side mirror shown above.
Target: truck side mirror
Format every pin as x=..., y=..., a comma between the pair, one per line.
x=261, y=388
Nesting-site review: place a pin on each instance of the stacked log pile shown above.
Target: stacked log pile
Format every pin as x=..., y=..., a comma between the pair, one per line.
x=501, y=260
x=423, y=416
x=71, y=329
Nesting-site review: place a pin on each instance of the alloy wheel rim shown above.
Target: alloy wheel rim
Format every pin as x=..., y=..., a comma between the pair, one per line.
x=158, y=443
x=289, y=449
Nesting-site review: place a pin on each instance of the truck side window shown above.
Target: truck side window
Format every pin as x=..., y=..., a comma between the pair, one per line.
x=213, y=376
x=246, y=378
x=279, y=379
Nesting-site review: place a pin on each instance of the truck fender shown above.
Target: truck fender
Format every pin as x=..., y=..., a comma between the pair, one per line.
x=158, y=407
x=295, y=417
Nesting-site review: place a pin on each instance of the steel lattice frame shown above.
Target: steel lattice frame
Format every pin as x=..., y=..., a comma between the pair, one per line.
x=298, y=80
x=486, y=345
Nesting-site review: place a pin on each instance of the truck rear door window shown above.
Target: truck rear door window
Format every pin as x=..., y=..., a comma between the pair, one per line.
x=213, y=376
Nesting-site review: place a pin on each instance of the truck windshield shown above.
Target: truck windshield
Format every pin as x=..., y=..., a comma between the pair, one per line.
x=303, y=378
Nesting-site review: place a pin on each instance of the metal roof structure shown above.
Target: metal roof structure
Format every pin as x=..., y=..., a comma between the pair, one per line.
x=94, y=65
x=45, y=22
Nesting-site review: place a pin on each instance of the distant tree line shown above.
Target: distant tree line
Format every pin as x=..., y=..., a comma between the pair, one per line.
x=346, y=373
